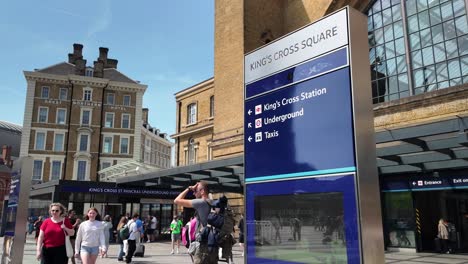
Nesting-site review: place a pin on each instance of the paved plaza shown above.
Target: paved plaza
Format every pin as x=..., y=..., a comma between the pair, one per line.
x=159, y=252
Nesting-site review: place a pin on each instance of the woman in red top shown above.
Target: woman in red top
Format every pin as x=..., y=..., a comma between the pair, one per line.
x=51, y=241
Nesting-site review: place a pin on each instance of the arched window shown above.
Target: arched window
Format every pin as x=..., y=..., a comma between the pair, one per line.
x=433, y=37
x=191, y=113
x=212, y=106
x=191, y=157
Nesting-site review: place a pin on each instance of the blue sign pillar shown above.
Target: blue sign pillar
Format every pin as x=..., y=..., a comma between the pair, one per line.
x=309, y=150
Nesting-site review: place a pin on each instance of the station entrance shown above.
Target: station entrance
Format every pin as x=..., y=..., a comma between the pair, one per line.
x=431, y=206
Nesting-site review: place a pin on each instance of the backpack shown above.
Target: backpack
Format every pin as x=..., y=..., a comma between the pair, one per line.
x=124, y=232
x=227, y=227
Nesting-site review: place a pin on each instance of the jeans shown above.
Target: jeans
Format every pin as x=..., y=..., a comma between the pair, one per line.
x=121, y=252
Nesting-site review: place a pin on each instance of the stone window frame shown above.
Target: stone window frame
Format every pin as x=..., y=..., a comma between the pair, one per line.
x=62, y=96
x=90, y=116
x=44, y=142
x=112, y=125
x=87, y=94
x=127, y=102
x=122, y=120
x=111, y=144
x=192, y=113
x=46, y=114
x=63, y=141
x=64, y=116
x=88, y=142
x=34, y=170
x=52, y=169
x=43, y=89
x=128, y=144
x=110, y=95
x=212, y=112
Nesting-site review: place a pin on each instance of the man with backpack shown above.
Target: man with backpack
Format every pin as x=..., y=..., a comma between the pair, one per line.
x=134, y=234
x=202, y=206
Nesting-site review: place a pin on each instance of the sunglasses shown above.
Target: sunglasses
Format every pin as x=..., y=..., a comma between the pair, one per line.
x=55, y=211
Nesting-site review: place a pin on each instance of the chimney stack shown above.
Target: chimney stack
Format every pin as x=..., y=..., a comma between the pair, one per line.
x=77, y=53
x=111, y=64
x=144, y=115
x=103, y=54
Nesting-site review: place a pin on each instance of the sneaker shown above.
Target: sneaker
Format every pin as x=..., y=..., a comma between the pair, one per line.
x=177, y=251
x=172, y=252
x=147, y=241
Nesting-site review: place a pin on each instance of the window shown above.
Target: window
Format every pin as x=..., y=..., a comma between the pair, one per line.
x=45, y=92
x=63, y=94
x=126, y=100
x=110, y=98
x=105, y=165
x=109, y=122
x=40, y=140
x=123, y=145
x=191, y=114
x=37, y=170
x=89, y=72
x=85, y=117
x=56, y=170
x=83, y=143
x=212, y=106
x=87, y=95
x=107, y=145
x=81, y=170
x=58, y=142
x=61, y=113
x=125, y=120
x=43, y=114
x=436, y=34
x=191, y=151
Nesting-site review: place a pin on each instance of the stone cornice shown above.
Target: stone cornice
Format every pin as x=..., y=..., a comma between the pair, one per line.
x=85, y=81
x=123, y=86
x=88, y=81
x=45, y=77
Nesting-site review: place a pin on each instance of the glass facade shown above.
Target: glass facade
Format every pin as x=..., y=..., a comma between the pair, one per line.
x=416, y=46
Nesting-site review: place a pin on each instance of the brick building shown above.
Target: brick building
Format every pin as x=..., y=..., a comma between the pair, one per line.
x=418, y=57
x=78, y=119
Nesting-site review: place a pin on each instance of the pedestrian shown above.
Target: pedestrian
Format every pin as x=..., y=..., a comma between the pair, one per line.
x=107, y=223
x=241, y=233
x=37, y=227
x=132, y=239
x=153, y=228
x=51, y=240
x=202, y=205
x=176, y=226
x=442, y=234
x=90, y=238
x=75, y=221
x=123, y=221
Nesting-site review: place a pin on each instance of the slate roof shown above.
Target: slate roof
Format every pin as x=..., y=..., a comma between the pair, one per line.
x=65, y=68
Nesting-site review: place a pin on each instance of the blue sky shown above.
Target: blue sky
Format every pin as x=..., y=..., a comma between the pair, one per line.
x=167, y=45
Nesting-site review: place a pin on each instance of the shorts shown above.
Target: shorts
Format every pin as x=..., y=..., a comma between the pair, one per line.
x=175, y=237
x=90, y=250
x=149, y=231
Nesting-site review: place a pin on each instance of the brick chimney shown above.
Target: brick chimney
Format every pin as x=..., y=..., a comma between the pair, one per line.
x=98, y=69
x=144, y=115
x=103, y=54
x=77, y=53
x=111, y=64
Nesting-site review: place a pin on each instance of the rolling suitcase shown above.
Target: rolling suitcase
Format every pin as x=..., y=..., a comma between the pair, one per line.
x=437, y=245
x=140, y=251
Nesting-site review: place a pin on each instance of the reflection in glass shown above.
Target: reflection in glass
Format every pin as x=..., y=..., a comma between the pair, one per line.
x=303, y=228
x=399, y=220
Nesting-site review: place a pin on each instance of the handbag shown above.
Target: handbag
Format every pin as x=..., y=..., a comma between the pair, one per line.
x=68, y=245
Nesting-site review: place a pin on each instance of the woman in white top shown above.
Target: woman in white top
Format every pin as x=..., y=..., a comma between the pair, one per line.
x=90, y=238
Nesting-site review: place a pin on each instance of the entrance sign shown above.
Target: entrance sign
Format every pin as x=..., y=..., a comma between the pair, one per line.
x=312, y=193
x=18, y=201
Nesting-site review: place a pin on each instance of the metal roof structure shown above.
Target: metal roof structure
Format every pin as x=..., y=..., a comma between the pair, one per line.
x=125, y=169
x=426, y=147
x=222, y=175
x=11, y=127
x=421, y=148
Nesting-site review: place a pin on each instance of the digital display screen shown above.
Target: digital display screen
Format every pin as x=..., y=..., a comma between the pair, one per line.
x=301, y=228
